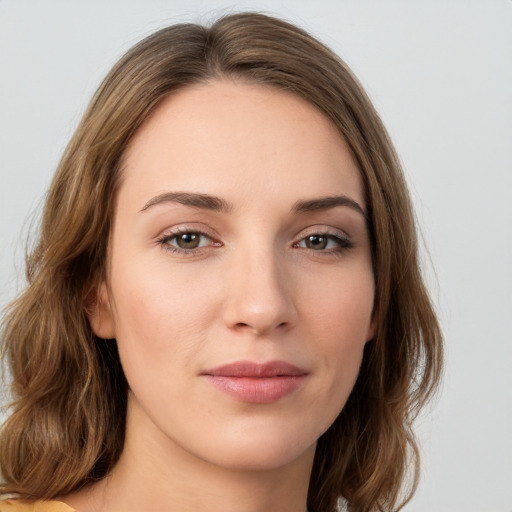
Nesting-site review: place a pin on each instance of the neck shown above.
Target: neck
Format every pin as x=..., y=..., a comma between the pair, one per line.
x=155, y=473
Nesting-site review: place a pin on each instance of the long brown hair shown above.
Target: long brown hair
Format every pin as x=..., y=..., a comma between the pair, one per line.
x=66, y=427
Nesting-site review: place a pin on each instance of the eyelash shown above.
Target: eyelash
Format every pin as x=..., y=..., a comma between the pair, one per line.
x=342, y=243
x=165, y=240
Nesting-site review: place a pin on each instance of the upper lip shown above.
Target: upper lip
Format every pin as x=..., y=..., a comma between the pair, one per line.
x=253, y=369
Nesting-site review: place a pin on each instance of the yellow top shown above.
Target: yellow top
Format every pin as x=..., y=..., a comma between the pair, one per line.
x=34, y=506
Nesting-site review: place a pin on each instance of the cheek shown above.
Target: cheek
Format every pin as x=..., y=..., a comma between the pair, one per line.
x=340, y=323
x=339, y=303
x=160, y=317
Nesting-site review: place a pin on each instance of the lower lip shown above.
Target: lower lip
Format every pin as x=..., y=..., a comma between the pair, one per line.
x=257, y=390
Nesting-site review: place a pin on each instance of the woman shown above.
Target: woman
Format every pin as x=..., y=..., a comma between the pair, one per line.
x=225, y=309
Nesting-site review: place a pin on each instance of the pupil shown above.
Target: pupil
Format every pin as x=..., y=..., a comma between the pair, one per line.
x=188, y=241
x=316, y=242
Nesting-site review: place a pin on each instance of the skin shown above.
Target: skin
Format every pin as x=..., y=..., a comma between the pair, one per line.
x=253, y=289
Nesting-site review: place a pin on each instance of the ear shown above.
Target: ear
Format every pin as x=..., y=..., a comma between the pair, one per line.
x=99, y=312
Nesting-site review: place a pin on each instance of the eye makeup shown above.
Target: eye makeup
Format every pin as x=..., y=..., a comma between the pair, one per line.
x=189, y=241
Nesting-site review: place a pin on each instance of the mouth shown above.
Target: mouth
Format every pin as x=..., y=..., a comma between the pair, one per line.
x=256, y=383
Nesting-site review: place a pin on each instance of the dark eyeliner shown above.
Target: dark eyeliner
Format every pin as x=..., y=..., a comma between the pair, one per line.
x=343, y=243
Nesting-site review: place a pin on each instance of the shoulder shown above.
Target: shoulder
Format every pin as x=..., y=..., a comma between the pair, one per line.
x=13, y=505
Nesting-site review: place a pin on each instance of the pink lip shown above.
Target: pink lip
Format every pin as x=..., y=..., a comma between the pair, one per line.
x=256, y=383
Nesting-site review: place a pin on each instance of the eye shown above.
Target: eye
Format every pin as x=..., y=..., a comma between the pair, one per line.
x=325, y=242
x=186, y=241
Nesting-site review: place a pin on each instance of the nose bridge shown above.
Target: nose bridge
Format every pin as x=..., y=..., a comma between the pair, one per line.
x=260, y=298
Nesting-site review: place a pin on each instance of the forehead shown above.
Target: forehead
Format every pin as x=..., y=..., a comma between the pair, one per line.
x=239, y=140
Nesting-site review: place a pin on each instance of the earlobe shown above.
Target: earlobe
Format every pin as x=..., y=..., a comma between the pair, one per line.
x=99, y=312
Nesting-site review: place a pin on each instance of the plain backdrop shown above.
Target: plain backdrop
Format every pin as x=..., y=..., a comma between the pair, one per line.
x=439, y=73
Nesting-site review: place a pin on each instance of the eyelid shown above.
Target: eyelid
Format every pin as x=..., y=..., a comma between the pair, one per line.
x=181, y=229
x=324, y=230
x=185, y=227
x=343, y=240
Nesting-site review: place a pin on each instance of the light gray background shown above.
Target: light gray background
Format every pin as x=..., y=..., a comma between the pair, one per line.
x=440, y=74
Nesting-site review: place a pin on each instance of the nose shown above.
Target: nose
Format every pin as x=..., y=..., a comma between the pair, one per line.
x=259, y=294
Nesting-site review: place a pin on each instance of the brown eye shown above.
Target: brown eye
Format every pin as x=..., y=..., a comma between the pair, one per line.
x=188, y=240
x=325, y=242
x=316, y=242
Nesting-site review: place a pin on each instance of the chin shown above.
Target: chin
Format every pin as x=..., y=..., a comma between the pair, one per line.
x=259, y=449
x=263, y=458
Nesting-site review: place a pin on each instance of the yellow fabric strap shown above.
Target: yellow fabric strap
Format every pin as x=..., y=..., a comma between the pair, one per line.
x=34, y=506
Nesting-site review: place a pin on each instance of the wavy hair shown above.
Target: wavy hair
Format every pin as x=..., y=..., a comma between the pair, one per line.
x=67, y=420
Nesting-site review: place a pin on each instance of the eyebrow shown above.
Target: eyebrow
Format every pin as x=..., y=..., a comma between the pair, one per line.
x=217, y=204
x=326, y=203
x=204, y=201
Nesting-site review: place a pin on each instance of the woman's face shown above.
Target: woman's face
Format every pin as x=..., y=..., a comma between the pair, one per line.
x=240, y=285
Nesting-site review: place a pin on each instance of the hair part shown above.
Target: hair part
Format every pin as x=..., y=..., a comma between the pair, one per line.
x=67, y=423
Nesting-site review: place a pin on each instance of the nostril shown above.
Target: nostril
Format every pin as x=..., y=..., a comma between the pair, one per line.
x=261, y=330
